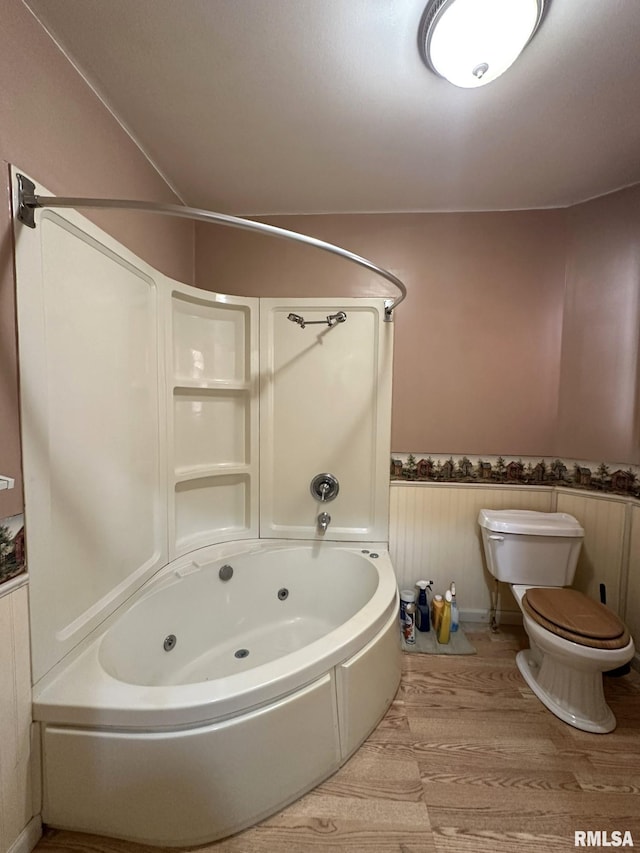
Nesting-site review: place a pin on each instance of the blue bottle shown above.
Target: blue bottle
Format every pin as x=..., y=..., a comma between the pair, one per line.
x=422, y=606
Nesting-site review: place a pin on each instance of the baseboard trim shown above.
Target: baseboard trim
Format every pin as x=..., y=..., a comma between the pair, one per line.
x=503, y=617
x=28, y=838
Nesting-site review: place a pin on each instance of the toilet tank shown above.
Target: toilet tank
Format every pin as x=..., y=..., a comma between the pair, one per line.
x=532, y=548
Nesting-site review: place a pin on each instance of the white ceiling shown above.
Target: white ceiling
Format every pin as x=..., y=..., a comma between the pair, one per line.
x=314, y=106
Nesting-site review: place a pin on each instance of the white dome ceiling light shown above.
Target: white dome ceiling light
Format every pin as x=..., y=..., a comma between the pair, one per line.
x=471, y=42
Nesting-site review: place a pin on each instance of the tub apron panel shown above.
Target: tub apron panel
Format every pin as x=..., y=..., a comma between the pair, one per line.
x=187, y=787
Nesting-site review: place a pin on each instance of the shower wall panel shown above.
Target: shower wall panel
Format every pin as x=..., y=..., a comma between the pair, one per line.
x=325, y=408
x=139, y=402
x=92, y=425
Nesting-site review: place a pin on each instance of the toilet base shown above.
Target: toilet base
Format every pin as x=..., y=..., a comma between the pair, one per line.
x=575, y=696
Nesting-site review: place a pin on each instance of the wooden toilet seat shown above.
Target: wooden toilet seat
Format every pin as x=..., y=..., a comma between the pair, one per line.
x=574, y=616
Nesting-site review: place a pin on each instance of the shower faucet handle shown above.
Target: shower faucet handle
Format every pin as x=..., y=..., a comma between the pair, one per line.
x=325, y=487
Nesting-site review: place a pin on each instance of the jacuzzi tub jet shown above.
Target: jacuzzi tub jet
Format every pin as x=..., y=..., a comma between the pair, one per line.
x=170, y=642
x=241, y=653
x=225, y=573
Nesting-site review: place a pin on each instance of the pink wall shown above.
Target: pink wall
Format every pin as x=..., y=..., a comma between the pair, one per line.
x=599, y=411
x=477, y=341
x=54, y=128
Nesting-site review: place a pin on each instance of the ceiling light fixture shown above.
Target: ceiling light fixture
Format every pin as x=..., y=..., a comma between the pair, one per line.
x=471, y=42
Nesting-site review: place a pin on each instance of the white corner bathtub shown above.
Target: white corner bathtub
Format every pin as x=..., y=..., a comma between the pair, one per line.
x=203, y=705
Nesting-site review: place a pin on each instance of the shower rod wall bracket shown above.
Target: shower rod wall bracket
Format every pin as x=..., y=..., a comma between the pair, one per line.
x=28, y=201
x=330, y=321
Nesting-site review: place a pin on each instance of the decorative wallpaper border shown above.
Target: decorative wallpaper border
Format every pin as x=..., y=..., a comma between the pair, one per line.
x=528, y=471
x=12, y=557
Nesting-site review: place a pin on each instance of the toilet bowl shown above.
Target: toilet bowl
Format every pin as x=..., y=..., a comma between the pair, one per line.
x=573, y=639
x=566, y=675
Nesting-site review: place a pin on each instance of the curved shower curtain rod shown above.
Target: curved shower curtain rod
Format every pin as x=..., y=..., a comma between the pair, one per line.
x=28, y=201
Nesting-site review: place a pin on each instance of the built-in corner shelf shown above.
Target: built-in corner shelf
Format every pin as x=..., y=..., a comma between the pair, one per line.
x=6, y=482
x=212, y=385
x=224, y=469
x=213, y=416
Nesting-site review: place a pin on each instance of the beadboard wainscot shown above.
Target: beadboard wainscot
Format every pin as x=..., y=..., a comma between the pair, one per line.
x=19, y=793
x=434, y=535
x=632, y=610
x=604, y=554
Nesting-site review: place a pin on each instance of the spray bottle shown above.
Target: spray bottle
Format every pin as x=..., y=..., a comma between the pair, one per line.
x=455, y=617
x=423, y=618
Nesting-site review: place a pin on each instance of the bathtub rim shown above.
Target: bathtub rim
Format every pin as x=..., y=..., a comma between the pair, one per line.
x=79, y=692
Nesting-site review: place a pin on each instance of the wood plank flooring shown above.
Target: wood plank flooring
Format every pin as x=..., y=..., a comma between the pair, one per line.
x=466, y=760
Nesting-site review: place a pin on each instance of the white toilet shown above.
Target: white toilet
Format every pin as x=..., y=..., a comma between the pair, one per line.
x=573, y=639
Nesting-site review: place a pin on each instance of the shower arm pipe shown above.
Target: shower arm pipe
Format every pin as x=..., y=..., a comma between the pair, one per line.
x=28, y=201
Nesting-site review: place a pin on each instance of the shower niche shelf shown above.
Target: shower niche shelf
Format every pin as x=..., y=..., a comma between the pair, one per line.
x=211, y=428
x=210, y=340
x=217, y=385
x=224, y=469
x=212, y=508
x=212, y=418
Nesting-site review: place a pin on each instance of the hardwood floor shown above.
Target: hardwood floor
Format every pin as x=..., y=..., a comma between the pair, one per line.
x=466, y=760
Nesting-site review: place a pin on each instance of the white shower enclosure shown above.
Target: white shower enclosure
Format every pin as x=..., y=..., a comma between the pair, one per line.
x=159, y=418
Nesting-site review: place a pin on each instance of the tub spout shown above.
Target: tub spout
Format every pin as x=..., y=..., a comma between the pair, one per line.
x=323, y=521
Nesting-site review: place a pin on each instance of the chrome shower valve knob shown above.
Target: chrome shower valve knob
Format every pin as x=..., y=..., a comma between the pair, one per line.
x=325, y=487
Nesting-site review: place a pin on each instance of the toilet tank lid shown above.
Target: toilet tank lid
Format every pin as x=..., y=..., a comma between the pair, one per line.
x=529, y=522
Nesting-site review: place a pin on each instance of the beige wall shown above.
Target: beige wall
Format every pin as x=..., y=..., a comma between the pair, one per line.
x=477, y=351
x=599, y=411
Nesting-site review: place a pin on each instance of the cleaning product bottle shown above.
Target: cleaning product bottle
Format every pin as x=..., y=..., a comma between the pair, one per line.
x=423, y=617
x=407, y=596
x=444, y=631
x=436, y=611
x=455, y=617
x=409, y=628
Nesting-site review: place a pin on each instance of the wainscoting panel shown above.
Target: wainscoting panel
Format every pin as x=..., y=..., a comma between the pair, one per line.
x=632, y=610
x=434, y=535
x=603, y=519
x=15, y=717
